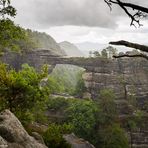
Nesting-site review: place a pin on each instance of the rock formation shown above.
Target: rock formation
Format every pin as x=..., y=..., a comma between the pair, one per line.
x=13, y=135
x=127, y=77
x=77, y=142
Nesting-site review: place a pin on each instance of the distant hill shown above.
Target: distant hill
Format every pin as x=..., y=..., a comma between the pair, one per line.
x=85, y=47
x=70, y=49
x=90, y=46
x=45, y=41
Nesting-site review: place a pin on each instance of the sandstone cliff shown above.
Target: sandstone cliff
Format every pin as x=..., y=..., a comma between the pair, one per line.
x=13, y=135
x=127, y=77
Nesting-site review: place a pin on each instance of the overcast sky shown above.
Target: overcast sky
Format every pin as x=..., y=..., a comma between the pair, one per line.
x=79, y=20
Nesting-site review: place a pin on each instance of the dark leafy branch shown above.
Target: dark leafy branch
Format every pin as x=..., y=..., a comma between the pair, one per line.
x=138, y=11
x=6, y=9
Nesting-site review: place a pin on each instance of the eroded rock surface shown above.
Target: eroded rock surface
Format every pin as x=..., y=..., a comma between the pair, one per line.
x=13, y=134
x=127, y=77
x=77, y=142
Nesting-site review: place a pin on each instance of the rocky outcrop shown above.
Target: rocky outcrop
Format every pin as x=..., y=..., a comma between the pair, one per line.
x=127, y=77
x=77, y=142
x=13, y=135
x=70, y=49
x=140, y=139
x=3, y=143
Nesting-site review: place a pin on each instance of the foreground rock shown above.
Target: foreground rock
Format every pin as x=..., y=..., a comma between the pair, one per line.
x=13, y=135
x=77, y=142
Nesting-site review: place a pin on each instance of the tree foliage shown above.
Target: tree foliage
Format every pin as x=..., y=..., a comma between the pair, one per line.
x=104, y=53
x=12, y=36
x=94, y=121
x=83, y=116
x=20, y=91
x=107, y=106
x=53, y=137
x=6, y=9
x=113, y=137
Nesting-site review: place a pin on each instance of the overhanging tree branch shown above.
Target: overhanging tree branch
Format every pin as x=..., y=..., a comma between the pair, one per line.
x=128, y=55
x=132, y=45
x=139, y=11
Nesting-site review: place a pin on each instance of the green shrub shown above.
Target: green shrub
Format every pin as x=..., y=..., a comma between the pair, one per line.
x=53, y=137
x=21, y=93
x=107, y=106
x=113, y=137
x=58, y=103
x=82, y=115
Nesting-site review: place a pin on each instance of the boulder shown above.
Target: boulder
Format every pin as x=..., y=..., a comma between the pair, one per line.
x=77, y=142
x=38, y=137
x=3, y=143
x=13, y=134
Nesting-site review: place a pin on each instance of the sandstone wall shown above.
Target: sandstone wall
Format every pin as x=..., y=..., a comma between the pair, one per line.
x=127, y=77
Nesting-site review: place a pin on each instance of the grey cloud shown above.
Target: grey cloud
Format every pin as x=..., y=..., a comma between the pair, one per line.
x=42, y=14
x=46, y=13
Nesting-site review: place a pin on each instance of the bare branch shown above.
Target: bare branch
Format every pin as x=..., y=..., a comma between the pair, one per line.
x=134, y=55
x=132, y=45
x=140, y=12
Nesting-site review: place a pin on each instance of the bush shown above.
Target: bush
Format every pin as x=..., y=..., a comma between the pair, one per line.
x=58, y=103
x=82, y=115
x=53, y=137
x=107, y=106
x=21, y=93
x=113, y=137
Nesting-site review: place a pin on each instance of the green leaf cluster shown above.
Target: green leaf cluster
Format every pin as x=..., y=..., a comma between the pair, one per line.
x=83, y=116
x=20, y=91
x=53, y=137
x=113, y=137
x=6, y=9
x=96, y=122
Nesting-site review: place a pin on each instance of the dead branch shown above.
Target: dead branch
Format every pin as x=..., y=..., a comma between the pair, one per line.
x=139, y=11
x=128, y=55
x=132, y=45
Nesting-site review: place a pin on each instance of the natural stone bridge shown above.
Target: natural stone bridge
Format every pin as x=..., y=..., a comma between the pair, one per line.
x=127, y=77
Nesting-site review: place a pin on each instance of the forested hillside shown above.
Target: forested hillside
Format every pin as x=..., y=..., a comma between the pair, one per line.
x=44, y=41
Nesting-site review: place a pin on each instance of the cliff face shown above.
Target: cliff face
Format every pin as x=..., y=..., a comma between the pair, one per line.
x=127, y=77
